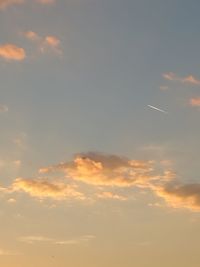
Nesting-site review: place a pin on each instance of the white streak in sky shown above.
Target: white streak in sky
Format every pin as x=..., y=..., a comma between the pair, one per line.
x=163, y=111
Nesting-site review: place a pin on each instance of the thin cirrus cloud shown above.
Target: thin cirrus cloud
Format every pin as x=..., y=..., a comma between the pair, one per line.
x=49, y=43
x=195, y=102
x=12, y=52
x=190, y=79
x=5, y=3
x=111, y=195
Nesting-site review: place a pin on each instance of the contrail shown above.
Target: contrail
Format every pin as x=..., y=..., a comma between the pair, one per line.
x=163, y=111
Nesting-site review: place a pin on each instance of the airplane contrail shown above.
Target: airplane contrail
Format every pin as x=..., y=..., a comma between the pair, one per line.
x=158, y=109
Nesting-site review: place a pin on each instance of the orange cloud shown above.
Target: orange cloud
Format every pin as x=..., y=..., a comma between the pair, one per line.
x=45, y=44
x=41, y=188
x=108, y=170
x=180, y=195
x=6, y=3
x=188, y=79
x=12, y=52
x=195, y=102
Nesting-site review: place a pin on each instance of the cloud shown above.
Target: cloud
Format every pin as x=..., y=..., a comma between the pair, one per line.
x=111, y=195
x=73, y=241
x=4, y=252
x=195, y=102
x=180, y=195
x=108, y=170
x=45, y=44
x=6, y=3
x=42, y=188
x=12, y=52
x=185, y=80
x=3, y=108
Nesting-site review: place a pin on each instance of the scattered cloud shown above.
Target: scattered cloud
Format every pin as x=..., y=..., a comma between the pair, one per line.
x=3, y=108
x=164, y=87
x=185, y=80
x=45, y=44
x=12, y=52
x=5, y=3
x=195, y=102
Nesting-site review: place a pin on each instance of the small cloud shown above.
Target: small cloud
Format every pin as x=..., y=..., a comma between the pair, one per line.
x=8, y=253
x=5, y=3
x=12, y=52
x=110, y=195
x=45, y=44
x=11, y=200
x=3, y=108
x=190, y=79
x=195, y=102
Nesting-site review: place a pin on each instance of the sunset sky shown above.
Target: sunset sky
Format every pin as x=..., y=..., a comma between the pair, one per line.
x=99, y=133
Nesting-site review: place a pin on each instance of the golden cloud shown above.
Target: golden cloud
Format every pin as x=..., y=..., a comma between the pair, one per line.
x=12, y=52
x=108, y=170
x=111, y=195
x=41, y=188
x=180, y=195
x=188, y=79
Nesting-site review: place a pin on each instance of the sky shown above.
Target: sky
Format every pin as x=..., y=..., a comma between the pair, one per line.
x=99, y=133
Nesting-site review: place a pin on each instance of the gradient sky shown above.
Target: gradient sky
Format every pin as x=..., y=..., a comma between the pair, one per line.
x=99, y=127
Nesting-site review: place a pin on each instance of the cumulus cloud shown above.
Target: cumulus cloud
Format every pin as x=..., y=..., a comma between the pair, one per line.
x=6, y=3
x=185, y=80
x=108, y=170
x=195, y=102
x=12, y=52
x=41, y=188
x=180, y=195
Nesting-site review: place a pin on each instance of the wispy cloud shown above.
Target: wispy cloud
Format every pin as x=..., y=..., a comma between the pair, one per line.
x=42, y=188
x=12, y=52
x=111, y=195
x=45, y=44
x=5, y=3
x=190, y=79
x=195, y=102
x=53, y=241
x=4, y=252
